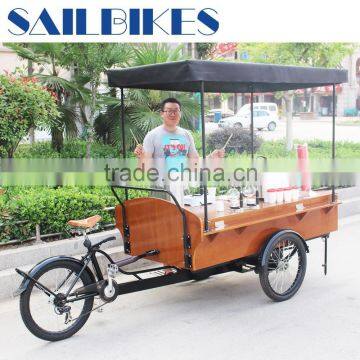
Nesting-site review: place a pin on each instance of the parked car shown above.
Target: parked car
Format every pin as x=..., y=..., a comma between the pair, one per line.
x=262, y=120
x=272, y=108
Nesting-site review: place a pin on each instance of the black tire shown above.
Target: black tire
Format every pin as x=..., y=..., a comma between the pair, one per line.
x=276, y=258
x=85, y=305
x=238, y=125
x=271, y=126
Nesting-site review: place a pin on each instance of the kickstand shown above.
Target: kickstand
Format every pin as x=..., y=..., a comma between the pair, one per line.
x=324, y=265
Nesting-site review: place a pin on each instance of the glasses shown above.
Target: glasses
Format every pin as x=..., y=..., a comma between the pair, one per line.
x=172, y=112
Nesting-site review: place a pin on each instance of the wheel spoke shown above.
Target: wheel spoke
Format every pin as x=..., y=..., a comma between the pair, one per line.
x=49, y=315
x=284, y=266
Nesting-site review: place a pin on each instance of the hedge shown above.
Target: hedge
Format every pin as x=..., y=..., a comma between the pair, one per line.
x=51, y=209
x=71, y=149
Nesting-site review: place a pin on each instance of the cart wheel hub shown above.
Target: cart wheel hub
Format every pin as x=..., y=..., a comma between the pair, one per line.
x=282, y=265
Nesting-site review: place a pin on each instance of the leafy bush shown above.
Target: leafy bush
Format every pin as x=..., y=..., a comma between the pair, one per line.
x=71, y=149
x=240, y=141
x=52, y=208
x=23, y=104
x=318, y=149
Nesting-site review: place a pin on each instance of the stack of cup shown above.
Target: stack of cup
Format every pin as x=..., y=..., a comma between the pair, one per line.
x=271, y=196
x=295, y=193
x=288, y=194
x=280, y=195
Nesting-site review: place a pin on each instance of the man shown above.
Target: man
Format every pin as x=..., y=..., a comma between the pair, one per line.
x=169, y=141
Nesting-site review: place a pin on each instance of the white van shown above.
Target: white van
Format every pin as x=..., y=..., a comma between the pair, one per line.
x=272, y=108
x=263, y=119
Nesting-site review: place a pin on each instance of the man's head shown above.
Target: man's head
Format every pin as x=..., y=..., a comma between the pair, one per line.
x=171, y=112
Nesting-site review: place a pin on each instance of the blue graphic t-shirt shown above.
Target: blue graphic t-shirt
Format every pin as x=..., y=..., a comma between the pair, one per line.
x=174, y=147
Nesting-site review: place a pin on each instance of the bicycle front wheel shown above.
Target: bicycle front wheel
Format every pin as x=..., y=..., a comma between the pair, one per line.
x=54, y=318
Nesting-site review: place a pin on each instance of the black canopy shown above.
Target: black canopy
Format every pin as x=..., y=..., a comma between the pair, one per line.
x=223, y=77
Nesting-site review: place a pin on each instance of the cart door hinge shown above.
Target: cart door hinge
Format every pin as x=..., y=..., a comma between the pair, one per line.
x=126, y=231
x=188, y=261
x=187, y=241
x=127, y=247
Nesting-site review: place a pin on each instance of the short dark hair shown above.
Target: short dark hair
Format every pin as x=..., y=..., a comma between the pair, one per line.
x=169, y=100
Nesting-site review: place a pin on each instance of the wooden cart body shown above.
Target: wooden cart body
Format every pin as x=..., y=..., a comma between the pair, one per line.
x=156, y=224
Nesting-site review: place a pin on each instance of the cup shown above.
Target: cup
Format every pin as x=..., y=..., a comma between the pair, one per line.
x=211, y=194
x=220, y=207
x=279, y=196
x=271, y=196
x=211, y=191
x=234, y=202
x=295, y=193
x=288, y=194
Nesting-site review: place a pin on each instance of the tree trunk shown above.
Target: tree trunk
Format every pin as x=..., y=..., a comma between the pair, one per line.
x=91, y=122
x=10, y=153
x=30, y=71
x=289, y=120
x=88, y=146
x=57, y=139
x=32, y=135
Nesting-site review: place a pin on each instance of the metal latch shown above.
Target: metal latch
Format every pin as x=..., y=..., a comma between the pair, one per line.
x=187, y=241
x=188, y=261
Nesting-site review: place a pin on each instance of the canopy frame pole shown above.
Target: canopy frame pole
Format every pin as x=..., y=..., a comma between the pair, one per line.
x=203, y=148
x=333, y=154
x=252, y=120
x=123, y=132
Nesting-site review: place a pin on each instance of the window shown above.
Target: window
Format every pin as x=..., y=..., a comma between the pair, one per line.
x=272, y=108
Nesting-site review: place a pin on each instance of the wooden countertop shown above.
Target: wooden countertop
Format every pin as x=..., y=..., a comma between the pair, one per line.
x=235, y=218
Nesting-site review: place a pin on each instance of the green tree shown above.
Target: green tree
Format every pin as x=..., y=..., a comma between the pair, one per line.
x=49, y=58
x=204, y=50
x=90, y=61
x=23, y=104
x=142, y=106
x=301, y=54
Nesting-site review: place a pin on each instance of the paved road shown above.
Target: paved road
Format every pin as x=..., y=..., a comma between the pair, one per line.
x=307, y=130
x=224, y=317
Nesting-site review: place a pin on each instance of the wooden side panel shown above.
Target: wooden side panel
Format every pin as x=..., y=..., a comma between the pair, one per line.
x=157, y=224
x=244, y=241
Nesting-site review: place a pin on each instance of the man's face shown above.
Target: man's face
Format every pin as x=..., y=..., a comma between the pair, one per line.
x=171, y=114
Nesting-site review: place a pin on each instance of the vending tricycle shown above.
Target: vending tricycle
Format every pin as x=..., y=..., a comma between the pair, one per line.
x=187, y=241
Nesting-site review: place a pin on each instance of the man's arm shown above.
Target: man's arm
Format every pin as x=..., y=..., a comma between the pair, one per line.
x=144, y=153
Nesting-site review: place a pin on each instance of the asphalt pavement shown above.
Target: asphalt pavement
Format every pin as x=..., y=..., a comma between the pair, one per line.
x=312, y=129
x=224, y=317
x=307, y=130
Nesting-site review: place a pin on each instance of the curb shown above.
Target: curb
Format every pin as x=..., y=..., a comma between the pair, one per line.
x=26, y=257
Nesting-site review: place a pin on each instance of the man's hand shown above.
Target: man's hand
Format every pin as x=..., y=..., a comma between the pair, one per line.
x=139, y=150
x=217, y=153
